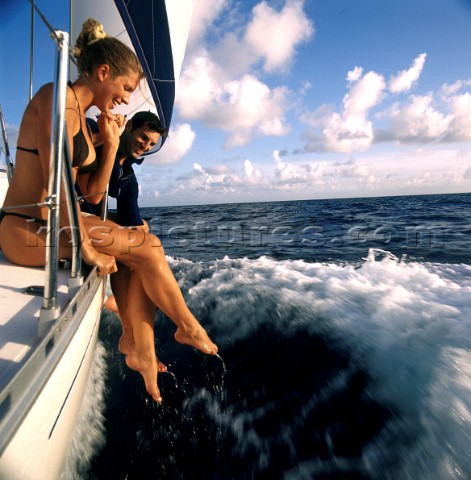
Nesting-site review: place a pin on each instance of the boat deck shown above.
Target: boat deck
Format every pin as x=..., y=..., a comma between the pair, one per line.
x=19, y=313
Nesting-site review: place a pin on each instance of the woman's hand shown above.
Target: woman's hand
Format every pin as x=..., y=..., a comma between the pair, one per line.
x=119, y=119
x=105, y=263
x=110, y=127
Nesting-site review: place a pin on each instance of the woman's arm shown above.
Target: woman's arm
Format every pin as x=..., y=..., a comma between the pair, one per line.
x=94, y=185
x=105, y=263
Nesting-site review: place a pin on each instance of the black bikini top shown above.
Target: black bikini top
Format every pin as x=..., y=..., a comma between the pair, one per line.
x=80, y=146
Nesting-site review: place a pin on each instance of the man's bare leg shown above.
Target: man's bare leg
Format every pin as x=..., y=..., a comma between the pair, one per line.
x=134, y=303
x=119, y=282
x=144, y=360
x=142, y=357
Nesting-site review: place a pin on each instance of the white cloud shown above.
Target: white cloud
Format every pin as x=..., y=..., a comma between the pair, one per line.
x=405, y=79
x=177, y=145
x=439, y=117
x=244, y=107
x=218, y=182
x=347, y=134
x=428, y=169
x=274, y=35
x=196, y=87
x=223, y=88
x=460, y=118
x=351, y=129
x=252, y=176
x=229, y=94
x=360, y=171
x=364, y=94
x=205, y=12
x=455, y=87
x=242, y=58
x=291, y=176
x=285, y=173
x=418, y=120
x=12, y=135
x=355, y=74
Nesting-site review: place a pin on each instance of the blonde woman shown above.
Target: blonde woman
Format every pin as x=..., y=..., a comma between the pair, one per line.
x=109, y=73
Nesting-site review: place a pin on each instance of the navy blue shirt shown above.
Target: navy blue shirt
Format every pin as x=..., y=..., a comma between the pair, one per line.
x=124, y=187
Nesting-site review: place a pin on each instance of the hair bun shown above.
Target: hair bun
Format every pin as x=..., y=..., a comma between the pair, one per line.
x=92, y=31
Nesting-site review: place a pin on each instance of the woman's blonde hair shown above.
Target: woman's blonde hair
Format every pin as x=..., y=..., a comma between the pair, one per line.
x=94, y=47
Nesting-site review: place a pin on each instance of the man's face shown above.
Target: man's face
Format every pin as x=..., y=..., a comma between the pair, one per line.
x=140, y=140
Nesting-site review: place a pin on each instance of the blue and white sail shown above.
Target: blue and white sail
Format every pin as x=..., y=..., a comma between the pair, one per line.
x=157, y=30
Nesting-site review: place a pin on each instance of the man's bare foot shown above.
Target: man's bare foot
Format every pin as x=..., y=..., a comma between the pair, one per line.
x=147, y=366
x=197, y=338
x=111, y=304
x=126, y=347
x=161, y=367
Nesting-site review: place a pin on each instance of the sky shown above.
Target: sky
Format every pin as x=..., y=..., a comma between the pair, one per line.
x=295, y=99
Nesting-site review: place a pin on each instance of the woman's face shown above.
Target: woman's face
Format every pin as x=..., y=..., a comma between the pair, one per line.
x=115, y=90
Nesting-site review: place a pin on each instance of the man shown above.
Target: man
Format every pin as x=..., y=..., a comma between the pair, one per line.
x=141, y=133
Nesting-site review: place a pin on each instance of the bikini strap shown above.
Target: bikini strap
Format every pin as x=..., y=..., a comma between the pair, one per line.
x=69, y=83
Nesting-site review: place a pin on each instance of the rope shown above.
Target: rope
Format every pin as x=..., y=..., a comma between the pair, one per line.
x=80, y=198
x=50, y=203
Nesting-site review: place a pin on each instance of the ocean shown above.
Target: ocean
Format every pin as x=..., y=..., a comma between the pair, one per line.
x=344, y=333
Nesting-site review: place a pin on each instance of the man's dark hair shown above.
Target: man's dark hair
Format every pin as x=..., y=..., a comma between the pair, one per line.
x=150, y=119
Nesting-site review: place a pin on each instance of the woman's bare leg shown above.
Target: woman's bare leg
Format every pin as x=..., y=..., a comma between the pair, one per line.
x=24, y=242
x=145, y=255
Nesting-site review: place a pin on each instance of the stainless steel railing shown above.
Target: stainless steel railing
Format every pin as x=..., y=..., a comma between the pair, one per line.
x=58, y=171
x=8, y=162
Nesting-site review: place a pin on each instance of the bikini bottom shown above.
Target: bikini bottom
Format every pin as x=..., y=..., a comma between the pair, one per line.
x=4, y=213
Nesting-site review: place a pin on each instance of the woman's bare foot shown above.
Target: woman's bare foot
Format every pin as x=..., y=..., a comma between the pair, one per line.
x=197, y=338
x=146, y=365
x=126, y=344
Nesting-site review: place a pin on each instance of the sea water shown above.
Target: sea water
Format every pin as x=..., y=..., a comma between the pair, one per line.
x=344, y=329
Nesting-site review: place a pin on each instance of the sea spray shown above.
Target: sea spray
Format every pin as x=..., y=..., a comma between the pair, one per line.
x=331, y=370
x=394, y=318
x=89, y=435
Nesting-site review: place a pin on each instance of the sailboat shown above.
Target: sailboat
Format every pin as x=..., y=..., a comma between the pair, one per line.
x=50, y=317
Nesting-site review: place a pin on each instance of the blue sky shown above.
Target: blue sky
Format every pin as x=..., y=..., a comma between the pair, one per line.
x=284, y=100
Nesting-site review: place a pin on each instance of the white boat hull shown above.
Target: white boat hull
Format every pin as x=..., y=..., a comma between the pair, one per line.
x=38, y=444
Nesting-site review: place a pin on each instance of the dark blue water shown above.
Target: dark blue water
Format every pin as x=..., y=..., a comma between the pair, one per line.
x=431, y=228
x=344, y=328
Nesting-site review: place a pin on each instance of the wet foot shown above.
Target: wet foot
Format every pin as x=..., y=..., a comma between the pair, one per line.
x=147, y=366
x=197, y=338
